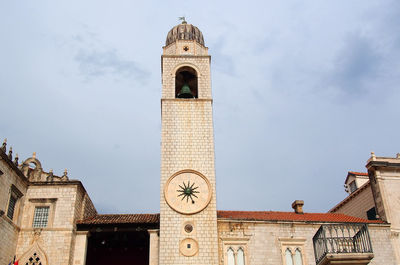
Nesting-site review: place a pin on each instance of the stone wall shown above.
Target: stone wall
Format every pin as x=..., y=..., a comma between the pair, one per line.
x=9, y=228
x=68, y=202
x=265, y=242
x=357, y=204
x=187, y=143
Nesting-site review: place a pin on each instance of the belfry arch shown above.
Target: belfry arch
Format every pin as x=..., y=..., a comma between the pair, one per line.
x=186, y=82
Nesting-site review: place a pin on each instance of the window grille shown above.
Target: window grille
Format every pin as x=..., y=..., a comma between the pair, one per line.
x=34, y=260
x=41, y=216
x=11, y=206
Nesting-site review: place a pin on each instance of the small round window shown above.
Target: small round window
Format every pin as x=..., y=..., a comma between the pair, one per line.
x=188, y=228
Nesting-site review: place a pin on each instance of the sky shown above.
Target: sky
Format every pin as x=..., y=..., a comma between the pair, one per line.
x=303, y=91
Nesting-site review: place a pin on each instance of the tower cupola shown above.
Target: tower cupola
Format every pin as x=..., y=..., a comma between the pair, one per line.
x=184, y=31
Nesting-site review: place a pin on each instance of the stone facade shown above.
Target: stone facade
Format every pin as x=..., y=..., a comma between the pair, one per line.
x=187, y=143
x=358, y=203
x=265, y=242
x=66, y=200
x=384, y=175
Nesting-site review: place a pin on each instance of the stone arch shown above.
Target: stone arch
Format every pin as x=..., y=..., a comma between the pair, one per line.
x=186, y=82
x=35, y=173
x=33, y=160
x=35, y=255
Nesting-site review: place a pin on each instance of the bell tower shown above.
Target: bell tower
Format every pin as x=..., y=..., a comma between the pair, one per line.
x=188, y=215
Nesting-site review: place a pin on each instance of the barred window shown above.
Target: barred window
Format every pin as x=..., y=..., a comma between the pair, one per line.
x=41, y=216
x=11, y=206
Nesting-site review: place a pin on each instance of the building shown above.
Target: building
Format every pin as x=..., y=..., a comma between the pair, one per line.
x=48, y=219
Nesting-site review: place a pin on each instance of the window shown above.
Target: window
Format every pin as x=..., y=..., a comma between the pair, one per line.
x=292, y=251
x=293, y=258
x=371, y=214
x=41, y=216
x=297, y=257
x=231, y=257
x=11, y=206
x=353, y=186
x=288, y=257
x=240, y=257
x=15, y=194
x=235, y=256
x=235, y=248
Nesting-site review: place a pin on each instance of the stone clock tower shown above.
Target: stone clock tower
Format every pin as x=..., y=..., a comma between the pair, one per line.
x=188, y=216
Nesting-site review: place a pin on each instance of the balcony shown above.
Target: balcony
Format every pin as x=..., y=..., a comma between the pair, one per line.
x=342, y=244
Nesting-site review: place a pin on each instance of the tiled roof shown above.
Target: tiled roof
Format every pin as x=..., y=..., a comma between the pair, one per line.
x=232, y=215
x=122, y=219
x=292, y=216
x=354, y=173
x=358, y=173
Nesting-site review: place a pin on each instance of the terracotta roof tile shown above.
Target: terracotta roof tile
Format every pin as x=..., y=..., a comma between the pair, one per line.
x=358, y=173
x=292, y=216
x=121, y=219
x=232, y=215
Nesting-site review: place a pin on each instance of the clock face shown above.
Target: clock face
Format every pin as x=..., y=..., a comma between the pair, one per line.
x=187, y=191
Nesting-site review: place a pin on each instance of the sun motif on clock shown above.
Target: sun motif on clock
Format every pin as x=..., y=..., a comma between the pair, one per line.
x=187, y=191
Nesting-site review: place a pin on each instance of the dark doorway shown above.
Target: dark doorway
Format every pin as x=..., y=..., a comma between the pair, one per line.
x=120, y=247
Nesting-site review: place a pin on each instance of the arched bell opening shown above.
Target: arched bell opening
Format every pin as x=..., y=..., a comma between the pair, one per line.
x=186, y=83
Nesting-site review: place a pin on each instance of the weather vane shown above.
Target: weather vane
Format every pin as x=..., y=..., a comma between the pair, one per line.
x=183, y=20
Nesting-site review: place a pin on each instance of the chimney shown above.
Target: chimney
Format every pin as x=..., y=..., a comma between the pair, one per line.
x=297, y=206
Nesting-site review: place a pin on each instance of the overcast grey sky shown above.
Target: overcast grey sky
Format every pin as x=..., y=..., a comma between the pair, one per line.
x=303, y=91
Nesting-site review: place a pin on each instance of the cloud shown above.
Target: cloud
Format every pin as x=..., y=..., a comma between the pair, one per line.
x=356, y=65
x=101, y=63
x=223, y=63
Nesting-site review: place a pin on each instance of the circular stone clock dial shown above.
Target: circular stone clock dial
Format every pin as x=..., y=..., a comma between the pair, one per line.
x=187, y=191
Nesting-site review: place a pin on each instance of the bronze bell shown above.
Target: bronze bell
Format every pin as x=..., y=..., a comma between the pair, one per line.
x=185, y=92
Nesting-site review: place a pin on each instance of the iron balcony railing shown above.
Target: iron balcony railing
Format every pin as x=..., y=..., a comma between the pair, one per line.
x=341, y=238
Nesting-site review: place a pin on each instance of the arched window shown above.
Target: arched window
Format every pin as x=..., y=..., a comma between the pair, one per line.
x=231, y=257
x=240, y=257
x=298, y=260
x=288, y=256
x=186, y=83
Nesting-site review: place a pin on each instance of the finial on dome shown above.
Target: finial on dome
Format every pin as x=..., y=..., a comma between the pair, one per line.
x=34, y=155
x=183, y=20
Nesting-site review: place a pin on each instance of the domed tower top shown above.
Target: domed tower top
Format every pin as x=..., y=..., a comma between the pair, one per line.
x=184, y=31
